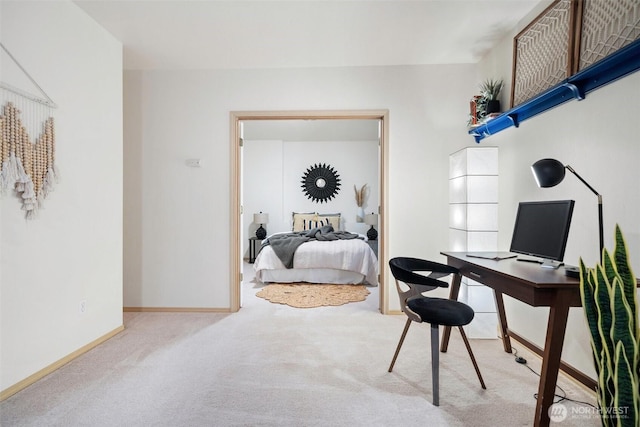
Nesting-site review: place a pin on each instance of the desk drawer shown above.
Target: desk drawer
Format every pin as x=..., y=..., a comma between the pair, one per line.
x=482, y=275
x=507, y=285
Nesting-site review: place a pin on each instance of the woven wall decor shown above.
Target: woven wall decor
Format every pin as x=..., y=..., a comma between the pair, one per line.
x=567, y=37
x=27, y=145
x=606, y=26
x=541, y=52
x=27, y=167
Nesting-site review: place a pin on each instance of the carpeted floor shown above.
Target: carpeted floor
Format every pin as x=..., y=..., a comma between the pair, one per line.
x=274, y=365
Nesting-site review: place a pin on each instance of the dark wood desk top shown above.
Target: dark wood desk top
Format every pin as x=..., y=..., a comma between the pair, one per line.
x=527, y=282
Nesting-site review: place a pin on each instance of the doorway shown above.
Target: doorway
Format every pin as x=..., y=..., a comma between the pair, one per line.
x=236, y=118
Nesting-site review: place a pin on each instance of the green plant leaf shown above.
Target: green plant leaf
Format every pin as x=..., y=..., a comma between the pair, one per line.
x=605, y=320
x=623, y=268
x=490, y=89
x=587, y=288
x=625, y=404
x=608, y=266
x=609, y=299
x=622, y=325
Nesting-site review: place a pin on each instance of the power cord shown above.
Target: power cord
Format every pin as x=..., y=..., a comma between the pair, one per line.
x=521, y=360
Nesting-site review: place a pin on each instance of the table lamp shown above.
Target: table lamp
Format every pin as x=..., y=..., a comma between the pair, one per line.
x=371, y=219
x=550, y=172
x=261, y=218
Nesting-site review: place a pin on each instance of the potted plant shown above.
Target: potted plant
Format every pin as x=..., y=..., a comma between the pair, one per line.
x=490, y=90
x=608, y=293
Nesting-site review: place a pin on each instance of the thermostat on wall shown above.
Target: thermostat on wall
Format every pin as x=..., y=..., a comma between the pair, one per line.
x=194, y=163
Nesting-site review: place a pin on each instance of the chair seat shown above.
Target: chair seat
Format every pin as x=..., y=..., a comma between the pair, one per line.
x=440, y=311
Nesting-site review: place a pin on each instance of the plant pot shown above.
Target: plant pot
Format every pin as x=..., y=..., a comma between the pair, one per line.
x=493, y=106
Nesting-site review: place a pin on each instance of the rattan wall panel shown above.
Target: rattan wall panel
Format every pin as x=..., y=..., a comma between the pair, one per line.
x=607, y=25
x=541, y=53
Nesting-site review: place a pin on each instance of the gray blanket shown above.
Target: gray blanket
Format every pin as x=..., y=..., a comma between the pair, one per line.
x=285, y=245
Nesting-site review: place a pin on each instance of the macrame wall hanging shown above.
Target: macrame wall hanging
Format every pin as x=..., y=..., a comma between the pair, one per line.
x=27, y=143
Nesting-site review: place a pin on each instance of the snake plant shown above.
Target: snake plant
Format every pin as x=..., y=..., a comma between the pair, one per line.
x=608, y=293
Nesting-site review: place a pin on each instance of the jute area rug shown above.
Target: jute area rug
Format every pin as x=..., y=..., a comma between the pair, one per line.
x=305, y=295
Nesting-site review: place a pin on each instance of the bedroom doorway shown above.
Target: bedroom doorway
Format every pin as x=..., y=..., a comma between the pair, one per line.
x=238, y=232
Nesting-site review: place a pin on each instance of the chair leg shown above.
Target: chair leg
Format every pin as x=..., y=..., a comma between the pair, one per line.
x=404, y=334
x=435, y=361
x=473, y=359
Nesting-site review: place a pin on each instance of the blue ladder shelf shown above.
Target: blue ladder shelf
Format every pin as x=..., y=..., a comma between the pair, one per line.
x=621, y=63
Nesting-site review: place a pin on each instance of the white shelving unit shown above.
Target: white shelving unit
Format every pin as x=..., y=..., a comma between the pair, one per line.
x=473, y=226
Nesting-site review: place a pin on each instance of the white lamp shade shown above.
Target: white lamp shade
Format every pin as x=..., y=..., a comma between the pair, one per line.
x=371, y=219
x=260, y=218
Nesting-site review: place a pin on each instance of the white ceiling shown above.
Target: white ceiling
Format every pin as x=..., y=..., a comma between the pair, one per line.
x=214, y=34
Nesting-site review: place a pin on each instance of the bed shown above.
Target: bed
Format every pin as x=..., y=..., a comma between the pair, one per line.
x=345, y=260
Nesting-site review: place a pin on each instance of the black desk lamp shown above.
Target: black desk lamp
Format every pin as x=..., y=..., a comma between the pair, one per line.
x=550, y=172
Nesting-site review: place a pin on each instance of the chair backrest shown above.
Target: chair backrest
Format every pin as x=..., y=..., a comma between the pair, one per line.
x=403, y=270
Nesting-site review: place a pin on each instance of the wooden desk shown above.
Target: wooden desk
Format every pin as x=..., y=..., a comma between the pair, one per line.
x=533, y=285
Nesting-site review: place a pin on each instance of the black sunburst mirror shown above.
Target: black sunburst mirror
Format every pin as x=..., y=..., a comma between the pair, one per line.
x=320, y=183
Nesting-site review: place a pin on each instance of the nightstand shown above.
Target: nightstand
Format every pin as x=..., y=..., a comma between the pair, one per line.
x=373, y=244
x=252, y=248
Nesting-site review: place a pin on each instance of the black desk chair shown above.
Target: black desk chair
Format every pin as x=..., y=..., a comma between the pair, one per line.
x=435, y=311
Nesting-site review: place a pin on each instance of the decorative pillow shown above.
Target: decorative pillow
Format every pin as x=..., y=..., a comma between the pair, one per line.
x=334, y=220
x=317, y=222
x=310, y=220
x=301, y=219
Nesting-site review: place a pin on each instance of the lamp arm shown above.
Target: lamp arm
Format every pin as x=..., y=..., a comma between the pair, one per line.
x=584, y=182
x=600, y=220
x=600, y=223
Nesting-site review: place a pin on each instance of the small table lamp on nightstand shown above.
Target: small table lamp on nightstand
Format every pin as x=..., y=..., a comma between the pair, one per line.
x=261, y=218
x=371, y=219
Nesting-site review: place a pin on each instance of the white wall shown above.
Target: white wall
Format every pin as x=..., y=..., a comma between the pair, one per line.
x=262, y=182
x=73, y=250
x=598, y=138
x=272, y=175
x=183, y=259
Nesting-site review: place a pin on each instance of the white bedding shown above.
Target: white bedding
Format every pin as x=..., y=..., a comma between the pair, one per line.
x=321, y=262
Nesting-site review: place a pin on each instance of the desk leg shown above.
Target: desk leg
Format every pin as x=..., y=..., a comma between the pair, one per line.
x=556, y=328
x=502, y=319
x=453, y=294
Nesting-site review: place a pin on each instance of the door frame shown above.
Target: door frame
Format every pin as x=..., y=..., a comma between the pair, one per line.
x=235, y=192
